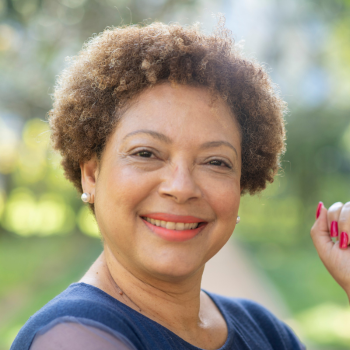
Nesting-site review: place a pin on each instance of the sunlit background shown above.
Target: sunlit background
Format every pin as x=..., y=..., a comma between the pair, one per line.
x=48, y=238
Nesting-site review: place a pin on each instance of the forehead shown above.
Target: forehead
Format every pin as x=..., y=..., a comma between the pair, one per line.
x=183, y=113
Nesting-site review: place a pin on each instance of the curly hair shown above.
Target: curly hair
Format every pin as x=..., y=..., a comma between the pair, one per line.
x=119, y=63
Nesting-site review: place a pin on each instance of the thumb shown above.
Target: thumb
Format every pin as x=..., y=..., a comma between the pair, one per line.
x=319, y=231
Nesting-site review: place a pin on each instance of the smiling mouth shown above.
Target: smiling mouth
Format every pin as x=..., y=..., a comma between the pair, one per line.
x=178, y=226
x=174, y=231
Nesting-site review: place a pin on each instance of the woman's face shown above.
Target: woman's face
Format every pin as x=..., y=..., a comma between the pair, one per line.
x=174, y=160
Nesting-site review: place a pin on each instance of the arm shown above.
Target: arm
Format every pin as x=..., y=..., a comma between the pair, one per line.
x=334, y=222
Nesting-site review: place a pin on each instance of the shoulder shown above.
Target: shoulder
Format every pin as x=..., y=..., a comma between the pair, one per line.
x=67, y=333
x=247, y=308
x=244, y=309
x=78, y=300
x=253, y=319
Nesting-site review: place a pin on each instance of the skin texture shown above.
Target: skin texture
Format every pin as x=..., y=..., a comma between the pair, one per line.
x=335, y=259
x=169, y=172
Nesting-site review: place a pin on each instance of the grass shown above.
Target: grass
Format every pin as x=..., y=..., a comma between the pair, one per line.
x=33, y=270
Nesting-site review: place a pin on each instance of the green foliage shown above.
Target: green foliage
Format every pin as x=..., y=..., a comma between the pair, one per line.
x=275, y=226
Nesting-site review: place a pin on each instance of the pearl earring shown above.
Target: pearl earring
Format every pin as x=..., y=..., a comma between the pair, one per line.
x=238, y=219
x=85, y=197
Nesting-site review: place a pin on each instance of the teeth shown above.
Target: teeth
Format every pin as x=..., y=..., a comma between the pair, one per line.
x=170, y=225
x=179, y=226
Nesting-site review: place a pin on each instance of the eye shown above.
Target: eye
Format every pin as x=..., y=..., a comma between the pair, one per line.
x=144, y=154
x=219, y=163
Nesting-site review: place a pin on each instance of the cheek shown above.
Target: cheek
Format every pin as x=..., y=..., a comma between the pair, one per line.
x=123, y=188
x=119, y=192
x=224, y=198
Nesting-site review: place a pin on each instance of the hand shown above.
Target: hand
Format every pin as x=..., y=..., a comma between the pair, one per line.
x=334, y=222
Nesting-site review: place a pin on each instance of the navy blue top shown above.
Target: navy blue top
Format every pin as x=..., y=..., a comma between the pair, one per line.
x=250, y=326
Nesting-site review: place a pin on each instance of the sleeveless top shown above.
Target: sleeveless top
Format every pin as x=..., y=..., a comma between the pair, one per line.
x=85, y=317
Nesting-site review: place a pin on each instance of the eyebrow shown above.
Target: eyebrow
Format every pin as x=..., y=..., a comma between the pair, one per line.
x=164, y=138
x=212, y=144
x=152, y=133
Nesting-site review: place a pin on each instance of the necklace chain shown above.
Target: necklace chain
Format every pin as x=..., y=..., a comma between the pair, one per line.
x=120, y=291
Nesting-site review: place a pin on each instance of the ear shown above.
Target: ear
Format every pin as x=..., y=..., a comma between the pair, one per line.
x=89, y=174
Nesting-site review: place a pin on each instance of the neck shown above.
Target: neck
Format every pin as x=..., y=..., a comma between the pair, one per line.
x=176, y=305
x=179, y=305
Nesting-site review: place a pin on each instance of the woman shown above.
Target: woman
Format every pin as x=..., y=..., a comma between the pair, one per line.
x=163, y=128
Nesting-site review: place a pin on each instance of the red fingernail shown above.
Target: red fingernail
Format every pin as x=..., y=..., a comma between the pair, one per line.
x=334, y=229
x=344, y=239
x=318, y=211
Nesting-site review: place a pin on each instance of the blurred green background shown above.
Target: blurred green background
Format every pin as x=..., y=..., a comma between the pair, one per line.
x=48, y=239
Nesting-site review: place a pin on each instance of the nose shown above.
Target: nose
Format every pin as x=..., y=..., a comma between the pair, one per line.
x=179, y=184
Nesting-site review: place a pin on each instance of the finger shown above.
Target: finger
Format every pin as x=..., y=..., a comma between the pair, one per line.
x=344, y=225
x=320, y=233
x=333, y=217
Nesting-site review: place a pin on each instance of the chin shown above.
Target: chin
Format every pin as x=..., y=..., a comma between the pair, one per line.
x=174, y=266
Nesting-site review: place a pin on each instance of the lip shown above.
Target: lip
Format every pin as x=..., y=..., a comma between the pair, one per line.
x=174, y=235
x=174, y=218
